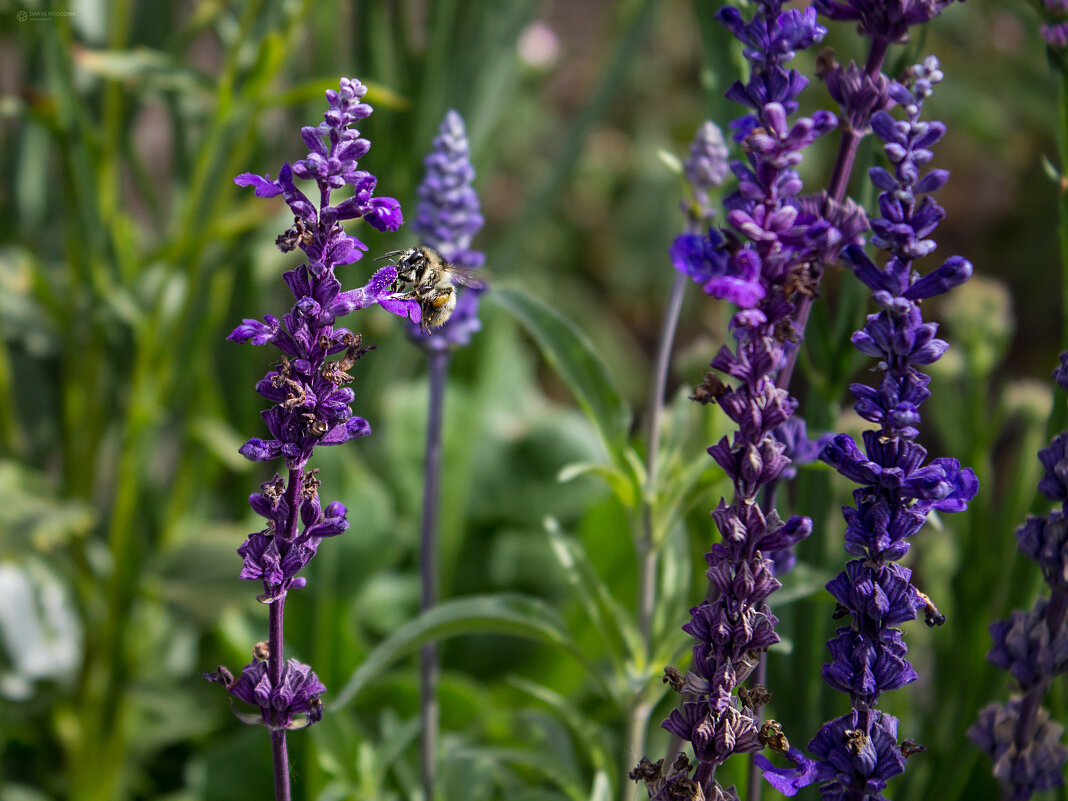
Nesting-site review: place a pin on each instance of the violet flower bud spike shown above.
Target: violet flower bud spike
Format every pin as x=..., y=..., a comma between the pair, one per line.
x=1019, y=737
x=897, y=489
x=310, y=397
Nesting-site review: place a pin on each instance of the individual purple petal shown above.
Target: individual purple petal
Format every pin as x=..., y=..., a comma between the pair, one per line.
x=265, y=187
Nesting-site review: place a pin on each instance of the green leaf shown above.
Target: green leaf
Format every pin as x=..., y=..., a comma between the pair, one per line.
x=670, y=160
x=602, y=607
x=150, y=68
x=602, y=787
x=621, y=485
x=587, y=732
x=517, y=615
x=572, y=355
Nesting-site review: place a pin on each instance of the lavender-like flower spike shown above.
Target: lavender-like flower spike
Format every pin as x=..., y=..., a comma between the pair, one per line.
x=706, y=168
x=858, y=753
x=1033, y=646
x=310, y=396
x=447, y=219
x=760, y=266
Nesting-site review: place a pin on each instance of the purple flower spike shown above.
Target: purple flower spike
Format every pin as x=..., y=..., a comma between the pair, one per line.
x=1033, y=647
x=447, y=219
x=705, y=169
x=857, y=754
x=311, y=399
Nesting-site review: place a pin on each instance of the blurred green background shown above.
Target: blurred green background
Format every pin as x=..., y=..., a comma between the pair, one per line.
x=127, y=254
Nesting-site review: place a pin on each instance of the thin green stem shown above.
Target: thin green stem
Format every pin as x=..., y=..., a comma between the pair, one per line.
x=646, y=545
x=638, y=721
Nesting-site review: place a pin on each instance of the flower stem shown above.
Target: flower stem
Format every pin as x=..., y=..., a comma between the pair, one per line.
x=646, y=552
x=281, y=765
x=438, y=366
x=274, y=669
x=646, y=549
x=275, y=649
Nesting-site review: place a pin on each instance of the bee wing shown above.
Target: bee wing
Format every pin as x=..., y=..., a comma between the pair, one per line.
x=465, y=277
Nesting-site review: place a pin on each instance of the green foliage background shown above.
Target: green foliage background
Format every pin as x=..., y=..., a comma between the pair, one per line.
x=127, y=254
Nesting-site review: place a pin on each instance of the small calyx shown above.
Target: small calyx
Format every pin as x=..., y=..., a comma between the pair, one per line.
x=754, y=697
x=771, y=736
x=711, y=390
x=298, y=234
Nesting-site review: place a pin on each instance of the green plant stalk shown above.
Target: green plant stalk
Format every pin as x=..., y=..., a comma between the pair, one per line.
x=638, y=718
x=1059, y=418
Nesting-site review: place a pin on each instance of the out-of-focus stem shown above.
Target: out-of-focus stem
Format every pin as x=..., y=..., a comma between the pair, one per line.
x=646, y=549
x=438, y=367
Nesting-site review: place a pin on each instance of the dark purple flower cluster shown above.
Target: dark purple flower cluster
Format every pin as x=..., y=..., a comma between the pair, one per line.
x=784, y=231
x=764, y=268
x=888, y=20
x=292, y=703
x=447, y=219
x=1054, y=28
x=858, y=753
x=1033, y=646
x=309, y=390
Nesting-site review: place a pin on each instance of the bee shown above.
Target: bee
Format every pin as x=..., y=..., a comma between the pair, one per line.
x=425, y=276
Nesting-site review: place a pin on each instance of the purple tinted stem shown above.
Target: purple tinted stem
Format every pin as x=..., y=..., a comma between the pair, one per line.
x=276, y=653
x=274, y=668
x=428, y=566
x=281, y=765
x=843, y=169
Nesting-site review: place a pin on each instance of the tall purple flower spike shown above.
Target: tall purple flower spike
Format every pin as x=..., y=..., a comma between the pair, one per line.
x=1024, y=744
x=447, y=219
x=856, y=755
x=762, y=267
x=310, y=396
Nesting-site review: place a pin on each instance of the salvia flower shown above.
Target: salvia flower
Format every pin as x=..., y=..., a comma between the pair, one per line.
x=1032, y=646
x=309, y=390
x=761, y=266
x=888, y=20
x=447, y=218
x=858, y=753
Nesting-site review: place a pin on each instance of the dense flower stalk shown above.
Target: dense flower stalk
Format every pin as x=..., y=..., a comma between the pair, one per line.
x=310, y=396
x=762, y=266
x=1019, y=736
x=858, y=753
x=447, y=218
